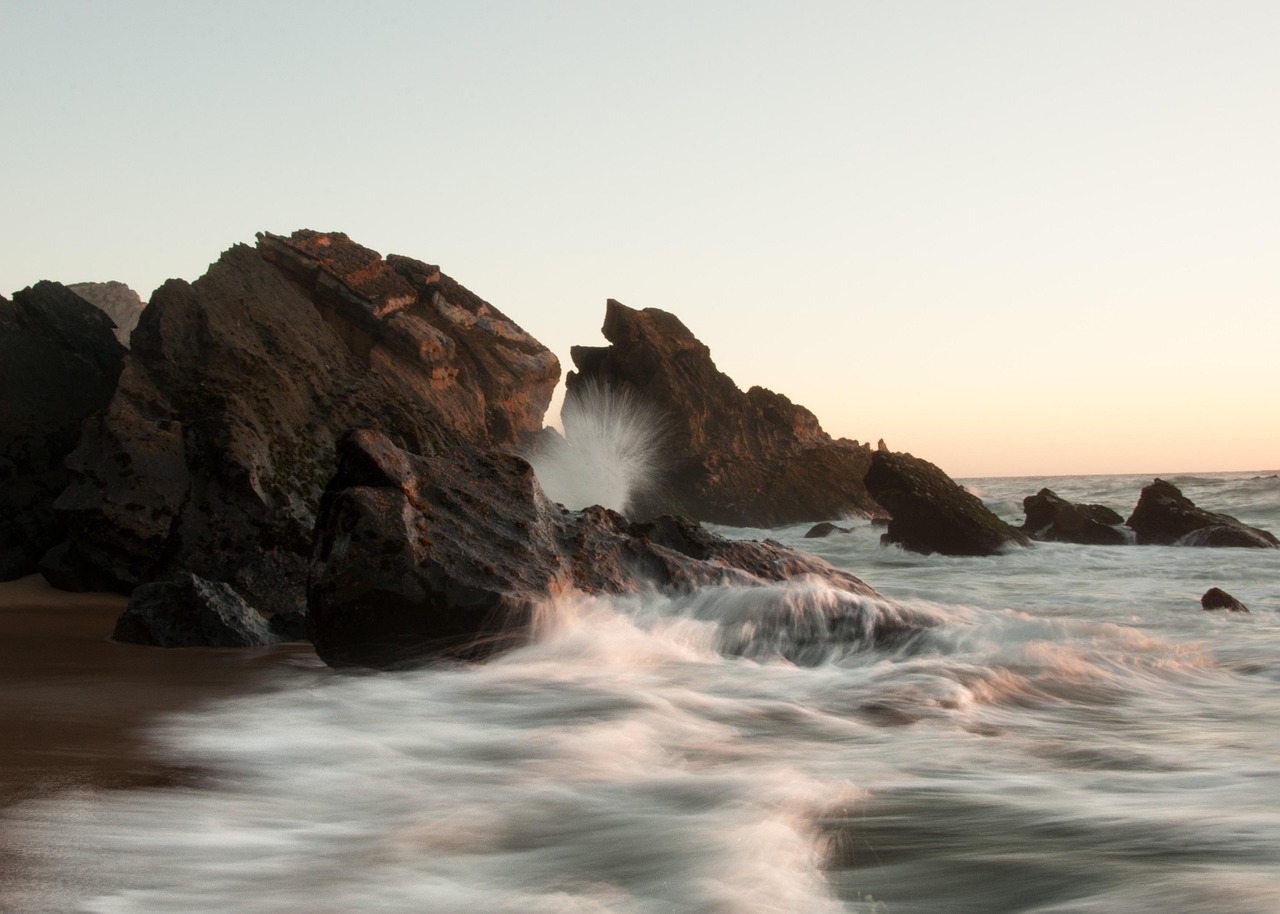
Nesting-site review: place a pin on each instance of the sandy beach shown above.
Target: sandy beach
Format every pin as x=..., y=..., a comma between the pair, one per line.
x=75, y=706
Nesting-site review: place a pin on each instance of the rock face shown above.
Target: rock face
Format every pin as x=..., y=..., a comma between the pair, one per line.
x=1216, y=598
x=59, y=362
x=931, y=513
x=213, y=453
x=1165, y=517
x=1052, y=518
x=188, y=611
x=116, y=300
x=748, y=459
x=451, y=556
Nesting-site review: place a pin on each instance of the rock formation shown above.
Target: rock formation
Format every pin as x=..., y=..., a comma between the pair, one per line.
x=824, y=529
x=748, y=459
x=188, y=611
x=1166, y=517
x=1052, y=518
x=931, y=513
x=116, y=300
x=211, y=457
x=1216, y=598
x=451, y=555
x=58, y=365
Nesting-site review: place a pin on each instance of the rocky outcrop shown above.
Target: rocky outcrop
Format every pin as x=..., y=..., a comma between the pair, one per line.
x=116, y=300
x=824, y=529
x=188, y=611
x=211, y=457
x=1215, y=598
x=452, y=556
x=931, y=513
x=1052, y=518
x=1166, y=517
x=59, y=362
x=748, y=459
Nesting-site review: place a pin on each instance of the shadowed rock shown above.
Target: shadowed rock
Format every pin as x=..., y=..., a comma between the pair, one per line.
x=213, y=453
x=116, y=300
x=188, y=611
x=1215, y=598
x=824, y=529
x=1166, y=517
x=59, y=362
x=452, y=555
x=1054, y=519
x=748, y=459
x=931, y=513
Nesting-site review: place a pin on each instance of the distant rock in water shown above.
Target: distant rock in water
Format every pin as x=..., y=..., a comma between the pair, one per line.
x=824, y=529
x=211, y=457
x=451, y=556
x=1054, y=519
x=747, y=459
x=1216, y=598
x=1166, y=517
x=59, y=362
x=931, y=513
x=116, y=300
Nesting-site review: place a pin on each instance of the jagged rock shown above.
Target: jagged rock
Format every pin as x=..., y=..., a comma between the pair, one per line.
x=58, y=365
x=116, y=300
x=824, y=529
x=451, y=556
x=748, y=459
x=1215, y=598
x=188, y=611
x=1054, y=519
x=931, y=513
x=1164, y=517
x=213, y=453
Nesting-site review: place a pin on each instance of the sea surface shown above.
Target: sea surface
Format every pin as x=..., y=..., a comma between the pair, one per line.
x=1063, y=730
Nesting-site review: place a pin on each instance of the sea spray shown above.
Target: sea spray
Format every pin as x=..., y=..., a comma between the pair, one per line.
x=610, y=451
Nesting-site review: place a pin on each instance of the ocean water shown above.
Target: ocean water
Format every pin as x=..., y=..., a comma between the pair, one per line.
x=1063, y=730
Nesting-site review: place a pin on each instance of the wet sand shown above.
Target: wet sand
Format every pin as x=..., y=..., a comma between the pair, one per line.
x=75, y=706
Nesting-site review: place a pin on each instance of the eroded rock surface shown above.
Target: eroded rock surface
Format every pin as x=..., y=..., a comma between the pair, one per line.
x=59, y=362
x=211, y=457
x=452, y=555
x=1166, y=517
x=931, y=513
x=747, y=459
x=1052, y=518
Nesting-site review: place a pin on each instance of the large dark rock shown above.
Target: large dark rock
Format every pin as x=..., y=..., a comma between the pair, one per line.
x=116, y=300
x=1054, y=519
x=452, y=556
x=59, y=362
x=931, y=513
x=213, y=453
x=188, y=611
x=748, y=459
x=1164, y=517
x=1217, y=598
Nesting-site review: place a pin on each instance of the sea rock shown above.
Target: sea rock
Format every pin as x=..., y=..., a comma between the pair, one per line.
x=1164, y=517
x=824, y=529
x=188, y=611
x=211, y=457
x=452, y=555
x=59, y=362
x=931, y=513
x=747, y=459
x=116, y=300
x=1216, y=598
x=1054, y=519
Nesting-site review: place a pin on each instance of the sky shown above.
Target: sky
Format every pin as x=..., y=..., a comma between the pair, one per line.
x=1013, y=238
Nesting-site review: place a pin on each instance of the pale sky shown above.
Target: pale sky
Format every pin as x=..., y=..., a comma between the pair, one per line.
x=1009, y=237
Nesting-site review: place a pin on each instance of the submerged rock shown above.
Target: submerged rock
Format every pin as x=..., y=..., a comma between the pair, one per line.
x=1215, y=598
x=1166, y=517
x=824, y=529
x=1054, y=519
x=59, y=362
x=452, y=555
x=931, y=513
x=211, y=457
x=747, y=459
x=188, y=611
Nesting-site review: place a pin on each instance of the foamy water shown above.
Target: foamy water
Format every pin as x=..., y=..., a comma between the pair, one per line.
x=1059, y=729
